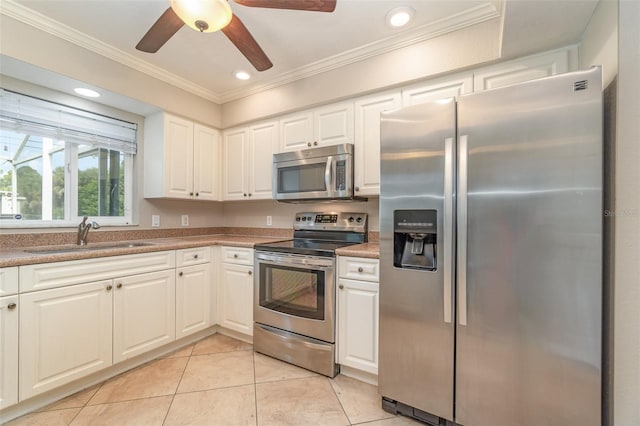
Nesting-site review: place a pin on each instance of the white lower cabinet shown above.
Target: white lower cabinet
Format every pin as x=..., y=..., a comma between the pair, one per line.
x=193, y=299
x=358, y=314
x=235, y=296
x=65, y=334
x=9, y=311
x=144, y=313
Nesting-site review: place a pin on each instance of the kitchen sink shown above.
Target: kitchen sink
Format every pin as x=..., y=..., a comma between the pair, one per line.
x=70, y=248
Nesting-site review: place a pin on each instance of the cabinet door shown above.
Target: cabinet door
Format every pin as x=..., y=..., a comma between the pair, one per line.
x=206, y=163
x=296, y=131
x=520, y=70
x=235, y=173
x=65, y=334
x=193, y=299
x=8, y=281
x=264, y=142
x=178, y=157
x=143, y=313
x=235, y=300
x=358, y=325
x=8, y=351
x=434, y=90
x=333, y=124
x=367, y=140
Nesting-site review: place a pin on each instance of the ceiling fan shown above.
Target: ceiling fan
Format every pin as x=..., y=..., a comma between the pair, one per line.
x=214, y=15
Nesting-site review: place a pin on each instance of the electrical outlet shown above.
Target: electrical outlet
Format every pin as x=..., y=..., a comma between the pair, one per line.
x=185, y=220
x=269, y=222
x=155, y=220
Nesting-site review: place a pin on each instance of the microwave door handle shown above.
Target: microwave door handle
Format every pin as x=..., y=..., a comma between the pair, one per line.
x=327, y=175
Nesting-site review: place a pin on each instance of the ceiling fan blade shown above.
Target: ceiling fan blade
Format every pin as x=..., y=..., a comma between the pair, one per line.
x=246, y=44
x=308, y=5
x=160, y=32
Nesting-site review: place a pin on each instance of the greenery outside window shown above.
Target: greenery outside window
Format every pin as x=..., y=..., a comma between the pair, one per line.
x=58, y=164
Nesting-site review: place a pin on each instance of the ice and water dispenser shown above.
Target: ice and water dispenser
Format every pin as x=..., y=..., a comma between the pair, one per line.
x=414, y=239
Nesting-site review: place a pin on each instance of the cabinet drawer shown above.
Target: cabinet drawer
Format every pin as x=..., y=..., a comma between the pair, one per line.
x=239, y=255
x=359, y=268
x=8, y=281
x=193, y=256
x=59, y=274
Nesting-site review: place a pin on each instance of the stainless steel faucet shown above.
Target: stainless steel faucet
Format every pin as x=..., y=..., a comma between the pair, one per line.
x=83, y=230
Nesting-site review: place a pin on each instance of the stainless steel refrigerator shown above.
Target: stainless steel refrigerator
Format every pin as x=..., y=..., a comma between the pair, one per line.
x=491, y=256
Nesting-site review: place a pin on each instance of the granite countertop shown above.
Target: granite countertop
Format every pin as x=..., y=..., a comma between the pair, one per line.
x=370, y=250
x=26, y=255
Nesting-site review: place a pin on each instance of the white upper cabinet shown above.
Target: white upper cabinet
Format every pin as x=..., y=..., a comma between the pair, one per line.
x=367, y=140
x=296, y=131
x=181, y=159
x=248, y=158
x=323, y=126
x=206, y=163
x=517, y=71
x=263, y=140
x=434, y=90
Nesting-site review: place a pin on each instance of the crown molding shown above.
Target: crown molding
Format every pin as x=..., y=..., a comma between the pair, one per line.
x=472, y=16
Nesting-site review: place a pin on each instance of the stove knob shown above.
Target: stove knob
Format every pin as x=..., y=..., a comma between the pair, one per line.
x=304, y=218
x=351, y=219
x=298, y=219
x=359, y=220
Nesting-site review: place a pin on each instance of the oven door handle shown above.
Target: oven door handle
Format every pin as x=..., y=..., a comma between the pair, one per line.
x=296, y=262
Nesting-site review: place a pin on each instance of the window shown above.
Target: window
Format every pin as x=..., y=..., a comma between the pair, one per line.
x=58, y=164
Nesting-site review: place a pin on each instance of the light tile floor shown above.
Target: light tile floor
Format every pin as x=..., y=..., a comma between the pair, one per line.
x=219, y=381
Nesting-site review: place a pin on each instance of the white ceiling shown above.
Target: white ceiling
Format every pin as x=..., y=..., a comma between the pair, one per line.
x=298, y=43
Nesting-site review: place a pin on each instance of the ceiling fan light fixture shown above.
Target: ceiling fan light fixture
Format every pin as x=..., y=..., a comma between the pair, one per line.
x=400, y=16
x=206, y=16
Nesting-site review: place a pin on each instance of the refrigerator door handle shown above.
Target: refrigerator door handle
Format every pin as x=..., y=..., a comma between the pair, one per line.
x=449, y=162
x=462, y=231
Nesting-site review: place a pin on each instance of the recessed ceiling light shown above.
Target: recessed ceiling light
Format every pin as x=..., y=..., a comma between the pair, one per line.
x=400, y=16
x=242, y=75
x=86, y=92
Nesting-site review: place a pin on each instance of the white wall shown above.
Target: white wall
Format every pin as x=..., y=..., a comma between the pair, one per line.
x=627, y=229
x=28, y=44
x=600, y=40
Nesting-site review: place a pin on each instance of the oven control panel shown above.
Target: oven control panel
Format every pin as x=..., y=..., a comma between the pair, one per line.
x=331, y=221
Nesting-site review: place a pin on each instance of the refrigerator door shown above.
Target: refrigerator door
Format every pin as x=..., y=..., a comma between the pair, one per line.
x=416, y=319
x=530, y=250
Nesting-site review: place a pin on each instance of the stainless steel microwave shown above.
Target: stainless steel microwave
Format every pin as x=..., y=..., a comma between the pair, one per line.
x=316, y=174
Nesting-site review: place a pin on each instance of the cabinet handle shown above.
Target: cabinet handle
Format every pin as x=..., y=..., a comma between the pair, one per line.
x=235, y=256
x=180, y=274
x=360, y=269
x=109, y=287
x=341, y=286
x=308, y=143
x=249, y=194
x=249, y=272
x=197, y=194
x=191, y=193
x=357, y=188
x=244, y=195
x=11, y=306
x=119, y=285
x=315, y=143
x=195, y=256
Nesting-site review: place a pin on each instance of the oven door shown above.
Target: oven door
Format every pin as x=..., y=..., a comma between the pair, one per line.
x=296, y=293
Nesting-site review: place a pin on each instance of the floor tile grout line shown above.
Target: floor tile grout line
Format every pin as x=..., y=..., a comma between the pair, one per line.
x=329, y=379
x=176, y=391
x=255, y=387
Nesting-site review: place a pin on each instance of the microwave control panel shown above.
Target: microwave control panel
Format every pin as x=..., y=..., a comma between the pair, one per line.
x=341, y=175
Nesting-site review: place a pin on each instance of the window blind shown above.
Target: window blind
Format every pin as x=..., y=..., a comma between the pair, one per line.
x=29, y=115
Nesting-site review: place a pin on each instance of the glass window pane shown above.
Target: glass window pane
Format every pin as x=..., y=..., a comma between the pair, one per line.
x=100, y=182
